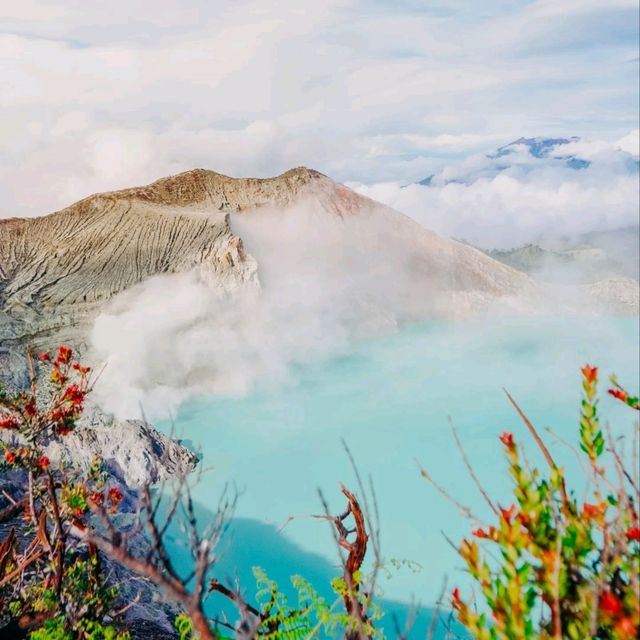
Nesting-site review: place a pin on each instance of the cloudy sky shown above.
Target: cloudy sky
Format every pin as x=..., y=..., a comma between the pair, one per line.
x=96, y=96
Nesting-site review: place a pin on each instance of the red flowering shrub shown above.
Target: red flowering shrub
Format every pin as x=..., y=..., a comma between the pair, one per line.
x=557, y=565
x=53, y=586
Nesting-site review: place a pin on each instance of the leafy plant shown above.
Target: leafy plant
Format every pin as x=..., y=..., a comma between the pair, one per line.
x=53, y=587
x=553, y=565
x=311, y=615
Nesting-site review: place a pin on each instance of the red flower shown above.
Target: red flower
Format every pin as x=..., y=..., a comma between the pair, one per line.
x=64, y=429
x=507, y=439
x=626, y=629
x=590, y=373
x=610, y=605
x=30, y=408
x=9, y=423
x=485, y=535
x=97, y=498
x=633, y=533
x=115, y=496
x=592, y=510
x=64, y=355
x=44, y=357
x=508, y=513
x=620, y=394
x=43, y=462
x=10, y=457
x=73, y=394
x=455, y=598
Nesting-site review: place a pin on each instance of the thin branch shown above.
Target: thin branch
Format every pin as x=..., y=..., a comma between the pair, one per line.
x=465, y=510
x=539, y=442
x=472, y=473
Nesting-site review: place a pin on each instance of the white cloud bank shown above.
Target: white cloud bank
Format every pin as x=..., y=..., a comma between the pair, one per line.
x=328, y=280
x=97, y=97
x=502, y=201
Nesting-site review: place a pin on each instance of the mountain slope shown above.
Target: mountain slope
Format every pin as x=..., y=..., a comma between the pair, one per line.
x=56, y=269
x=104, y=244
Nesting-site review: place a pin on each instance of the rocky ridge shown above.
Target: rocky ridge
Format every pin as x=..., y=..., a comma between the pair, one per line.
x=133, y=450
x=57, y=271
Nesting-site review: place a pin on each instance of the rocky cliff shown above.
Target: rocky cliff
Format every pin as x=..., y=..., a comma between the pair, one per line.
x=57, y=270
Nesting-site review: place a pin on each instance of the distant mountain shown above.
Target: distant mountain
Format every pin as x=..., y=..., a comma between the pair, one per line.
x=585, y=259
x=521, y=157
x=545, y=148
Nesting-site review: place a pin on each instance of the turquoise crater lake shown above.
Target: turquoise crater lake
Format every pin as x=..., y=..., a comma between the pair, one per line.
x=390, y=398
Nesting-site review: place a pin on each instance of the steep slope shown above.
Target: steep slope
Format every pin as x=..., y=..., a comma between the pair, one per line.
x=331, y=264
x=466, y=277
x=56, y=269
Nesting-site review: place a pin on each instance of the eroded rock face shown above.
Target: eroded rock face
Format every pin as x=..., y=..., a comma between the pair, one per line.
x=615, y=296
x=132, y=450
x=57, y=271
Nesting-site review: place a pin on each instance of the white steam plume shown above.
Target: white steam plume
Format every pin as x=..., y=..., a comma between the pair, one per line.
x=324, y=281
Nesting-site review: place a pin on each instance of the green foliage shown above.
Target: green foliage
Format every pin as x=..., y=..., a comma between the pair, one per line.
x=311, y=615
x=279, y=620
x=55, y=629
x=55, y=578
x=183, y=625
x=559, y=567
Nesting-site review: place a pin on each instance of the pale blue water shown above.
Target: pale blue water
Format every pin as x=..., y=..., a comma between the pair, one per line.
x=390, y=398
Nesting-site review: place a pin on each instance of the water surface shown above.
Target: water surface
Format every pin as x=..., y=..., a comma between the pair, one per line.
x=390, y=399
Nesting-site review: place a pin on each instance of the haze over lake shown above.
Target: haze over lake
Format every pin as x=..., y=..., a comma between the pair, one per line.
x=389, y=398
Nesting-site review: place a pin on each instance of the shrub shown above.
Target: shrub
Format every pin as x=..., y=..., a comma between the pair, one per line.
x=549, y=566
x=51, y=581
x=552, y=564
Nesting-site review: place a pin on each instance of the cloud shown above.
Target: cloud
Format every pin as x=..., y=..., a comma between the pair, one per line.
x=630, y=143
x=360, y=89
x=506, y=200
x=175, y=336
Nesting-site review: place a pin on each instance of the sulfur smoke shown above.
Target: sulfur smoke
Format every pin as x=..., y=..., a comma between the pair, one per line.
x=324, y=281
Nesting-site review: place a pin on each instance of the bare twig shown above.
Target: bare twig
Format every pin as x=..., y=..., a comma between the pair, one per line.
x=472, y=473
x=539, y=442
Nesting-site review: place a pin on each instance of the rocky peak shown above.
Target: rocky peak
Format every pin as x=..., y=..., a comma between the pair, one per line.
x=205, y=187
